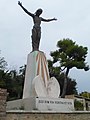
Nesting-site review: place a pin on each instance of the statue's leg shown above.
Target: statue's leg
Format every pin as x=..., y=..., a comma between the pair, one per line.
x=34, y=38
x=39, y=37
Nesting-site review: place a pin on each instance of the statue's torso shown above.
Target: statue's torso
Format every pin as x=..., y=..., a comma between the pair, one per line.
x=37, y=21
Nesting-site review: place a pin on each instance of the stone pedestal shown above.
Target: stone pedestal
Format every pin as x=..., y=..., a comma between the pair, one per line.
x=33, y=98
x=42, y=104
x=36, y=65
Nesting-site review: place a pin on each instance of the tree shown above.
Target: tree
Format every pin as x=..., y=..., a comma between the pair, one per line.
x=55, y=71
x=17, y=83
x=13, y=82
x=2, y=82
x=69, y=55
x=85, y=94
x=3, y=63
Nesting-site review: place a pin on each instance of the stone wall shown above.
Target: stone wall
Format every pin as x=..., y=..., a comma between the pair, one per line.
x=3, y=96
x=48, y=116
x=23, y=115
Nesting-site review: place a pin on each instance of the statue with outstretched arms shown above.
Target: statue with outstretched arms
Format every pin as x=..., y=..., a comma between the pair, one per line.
x=36, y=31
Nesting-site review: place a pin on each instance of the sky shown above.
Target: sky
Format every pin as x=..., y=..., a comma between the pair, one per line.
x=73, y=22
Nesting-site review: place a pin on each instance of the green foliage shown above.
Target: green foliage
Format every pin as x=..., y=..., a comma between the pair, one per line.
x=85, y=94
x=17, y=82
x=2, y=82
x=78, y=105
x=55, y=71
x=3, y=63
x=68, y=56
x=13, y=82
x=71, y=85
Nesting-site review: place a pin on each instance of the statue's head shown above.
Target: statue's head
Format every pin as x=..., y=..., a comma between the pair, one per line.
x=39, y=12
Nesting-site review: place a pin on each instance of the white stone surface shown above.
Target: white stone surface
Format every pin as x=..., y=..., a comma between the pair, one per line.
x=37, y=80
x=52, y=104
x=29, y=76
x=53, y=88
x=36, y=65
x=42, y=104
x=38, y=87
x=22, y=104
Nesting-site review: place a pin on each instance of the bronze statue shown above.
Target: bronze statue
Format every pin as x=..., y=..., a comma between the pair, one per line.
x=36, y=31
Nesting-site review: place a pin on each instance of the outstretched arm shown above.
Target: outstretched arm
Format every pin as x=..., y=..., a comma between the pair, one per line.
x=19, y=3
x=48, y=20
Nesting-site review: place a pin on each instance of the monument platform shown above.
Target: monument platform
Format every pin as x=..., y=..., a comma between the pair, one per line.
x=42, y=104
x=41, y=93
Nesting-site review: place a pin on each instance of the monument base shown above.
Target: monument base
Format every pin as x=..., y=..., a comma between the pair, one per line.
x=36, y=65
x=42, y=104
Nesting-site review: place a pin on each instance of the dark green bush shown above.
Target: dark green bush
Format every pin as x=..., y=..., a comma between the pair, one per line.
x=78, y=105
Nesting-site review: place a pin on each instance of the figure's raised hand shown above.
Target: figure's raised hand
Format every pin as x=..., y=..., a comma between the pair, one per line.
x=19, y=3
x=54, y=19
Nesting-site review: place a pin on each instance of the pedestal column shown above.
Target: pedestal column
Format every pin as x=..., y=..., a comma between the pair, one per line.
x=36, y=65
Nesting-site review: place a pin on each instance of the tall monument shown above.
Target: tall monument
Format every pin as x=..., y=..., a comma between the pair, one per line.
x=40, y=91
x=37, y=73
